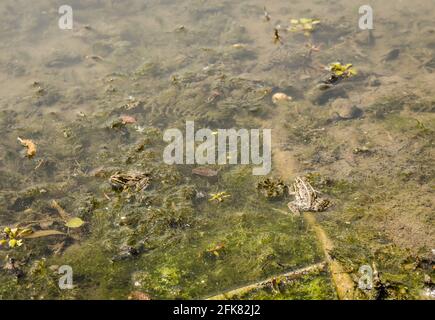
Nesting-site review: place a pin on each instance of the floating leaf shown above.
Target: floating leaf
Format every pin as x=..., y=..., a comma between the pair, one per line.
x=74, y=223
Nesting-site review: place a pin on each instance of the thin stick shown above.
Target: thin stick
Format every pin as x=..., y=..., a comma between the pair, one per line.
x=285, y=277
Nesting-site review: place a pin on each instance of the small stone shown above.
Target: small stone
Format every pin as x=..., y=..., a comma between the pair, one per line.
x=280, y=97
x=127, y=119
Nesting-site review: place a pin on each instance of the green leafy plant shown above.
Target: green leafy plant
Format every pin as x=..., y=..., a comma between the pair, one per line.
x=340, y=70
x=12, y=237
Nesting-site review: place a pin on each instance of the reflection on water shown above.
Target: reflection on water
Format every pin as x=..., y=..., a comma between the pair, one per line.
x=97, y=196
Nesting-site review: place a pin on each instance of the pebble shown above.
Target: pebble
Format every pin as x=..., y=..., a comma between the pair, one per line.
x=280, y=97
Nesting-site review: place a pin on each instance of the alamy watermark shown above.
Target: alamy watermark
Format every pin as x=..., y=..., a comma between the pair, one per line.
x=366, y=20
x=66, y=280
x=219, y=147
x=66, y=20
x=365, y=282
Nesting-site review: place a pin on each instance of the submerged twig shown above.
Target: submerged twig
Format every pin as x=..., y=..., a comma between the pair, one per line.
x=282, y=278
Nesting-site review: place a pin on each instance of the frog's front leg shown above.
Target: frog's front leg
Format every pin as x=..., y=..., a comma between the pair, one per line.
x=294, y=209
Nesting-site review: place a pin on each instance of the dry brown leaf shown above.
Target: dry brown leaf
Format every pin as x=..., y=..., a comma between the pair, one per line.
x=30, y=145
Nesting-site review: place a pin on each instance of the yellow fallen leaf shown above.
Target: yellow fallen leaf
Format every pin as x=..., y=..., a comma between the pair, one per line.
x=74, y=223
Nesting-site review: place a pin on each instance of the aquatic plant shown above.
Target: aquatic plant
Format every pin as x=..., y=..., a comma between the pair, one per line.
x=306, y=25
x=340, y=70
x=13, y=237
x=219, y=197
x=271, y=188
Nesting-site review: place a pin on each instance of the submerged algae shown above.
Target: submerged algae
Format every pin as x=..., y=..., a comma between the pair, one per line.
x=154, y=241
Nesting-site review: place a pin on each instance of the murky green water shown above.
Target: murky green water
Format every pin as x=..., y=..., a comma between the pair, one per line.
x=96, y=100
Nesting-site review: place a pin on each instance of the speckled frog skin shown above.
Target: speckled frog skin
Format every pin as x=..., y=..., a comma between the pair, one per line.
x=306, y=198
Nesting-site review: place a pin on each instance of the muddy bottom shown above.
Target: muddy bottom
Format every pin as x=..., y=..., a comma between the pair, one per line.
x=83, y=182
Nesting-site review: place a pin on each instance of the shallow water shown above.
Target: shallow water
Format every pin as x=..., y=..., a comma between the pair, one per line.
x=215, y=62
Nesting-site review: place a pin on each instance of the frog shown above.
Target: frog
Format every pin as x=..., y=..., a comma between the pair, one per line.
x=306, y=198
x=129, y=181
